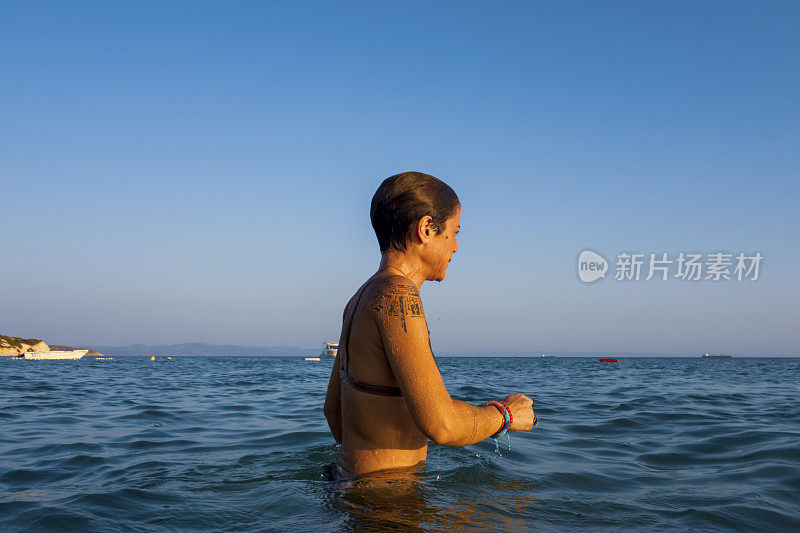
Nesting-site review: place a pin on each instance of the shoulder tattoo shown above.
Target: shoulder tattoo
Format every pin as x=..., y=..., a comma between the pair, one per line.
x=397, y=300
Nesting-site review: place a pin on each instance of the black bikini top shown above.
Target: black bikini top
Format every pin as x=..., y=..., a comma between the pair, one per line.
x=344, y=373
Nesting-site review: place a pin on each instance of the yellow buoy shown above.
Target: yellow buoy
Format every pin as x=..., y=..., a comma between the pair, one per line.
x=152, y=357
x=169, y=357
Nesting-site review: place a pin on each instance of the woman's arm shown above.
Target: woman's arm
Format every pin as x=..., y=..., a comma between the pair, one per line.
x=333, y=403
x=397, y=309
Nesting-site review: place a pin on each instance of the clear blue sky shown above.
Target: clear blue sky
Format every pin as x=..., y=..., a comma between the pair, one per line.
x=202, y=171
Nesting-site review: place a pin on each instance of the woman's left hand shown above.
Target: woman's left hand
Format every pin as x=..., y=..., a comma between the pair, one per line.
x=521, y=408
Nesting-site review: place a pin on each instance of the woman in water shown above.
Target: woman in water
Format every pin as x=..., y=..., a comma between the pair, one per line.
x=386, y=397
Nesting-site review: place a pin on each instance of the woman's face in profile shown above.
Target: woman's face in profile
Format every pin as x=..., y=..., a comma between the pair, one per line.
x=444, y=245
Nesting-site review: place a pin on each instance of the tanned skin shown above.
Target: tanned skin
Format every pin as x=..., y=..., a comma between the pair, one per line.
x=389, y=345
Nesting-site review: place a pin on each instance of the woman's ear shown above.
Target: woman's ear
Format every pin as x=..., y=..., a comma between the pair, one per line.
x=425, y=229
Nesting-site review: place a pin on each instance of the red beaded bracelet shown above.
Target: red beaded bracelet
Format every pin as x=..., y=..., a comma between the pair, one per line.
x=503, y=408
x=510, y=415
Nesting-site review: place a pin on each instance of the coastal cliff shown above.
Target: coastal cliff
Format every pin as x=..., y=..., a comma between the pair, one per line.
x=13, y=346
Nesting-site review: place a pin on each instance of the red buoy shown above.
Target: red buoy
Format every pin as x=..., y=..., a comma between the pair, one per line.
x=609, y=360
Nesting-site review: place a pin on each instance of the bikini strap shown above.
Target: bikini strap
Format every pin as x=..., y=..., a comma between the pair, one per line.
x=350, y=326
x=344, y=372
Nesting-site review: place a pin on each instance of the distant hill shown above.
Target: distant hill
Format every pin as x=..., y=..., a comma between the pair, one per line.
x=204, y=349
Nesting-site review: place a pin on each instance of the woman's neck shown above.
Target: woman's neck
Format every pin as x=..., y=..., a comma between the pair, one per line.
x=401, y=263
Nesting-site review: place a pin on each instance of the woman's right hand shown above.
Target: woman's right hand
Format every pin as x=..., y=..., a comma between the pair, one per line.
x=521, y=408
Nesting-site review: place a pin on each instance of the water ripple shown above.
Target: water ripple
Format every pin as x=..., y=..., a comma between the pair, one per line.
x=213, y=444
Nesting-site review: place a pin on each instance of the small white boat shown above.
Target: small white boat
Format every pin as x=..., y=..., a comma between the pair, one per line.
x=312, y=358
x=55, y=354
x=329, y=349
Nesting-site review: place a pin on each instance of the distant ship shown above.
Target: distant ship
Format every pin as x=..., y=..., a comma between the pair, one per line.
x=55, y=354
x=329, y=349
x=716, y=355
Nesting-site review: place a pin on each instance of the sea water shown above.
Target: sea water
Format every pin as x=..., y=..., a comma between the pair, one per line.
x=240, y=444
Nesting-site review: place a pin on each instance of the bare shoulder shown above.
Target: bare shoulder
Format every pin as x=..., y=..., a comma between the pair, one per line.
x=394, y=297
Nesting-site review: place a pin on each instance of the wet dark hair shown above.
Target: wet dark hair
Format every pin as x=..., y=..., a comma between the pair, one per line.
x=402, y=200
